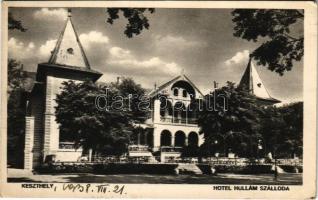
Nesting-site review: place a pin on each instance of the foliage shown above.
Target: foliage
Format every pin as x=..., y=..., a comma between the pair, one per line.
x=233, y=123
x=15, y=106
x=282, y=130
x=190, y=151
x=108, y=168
x=136, y=94
x=15, y=24
x=16, y=75
x=283, y=45
x=105, y=131
x=293, y=132
x=16, y=112
x=246, y=124
x=137, y=20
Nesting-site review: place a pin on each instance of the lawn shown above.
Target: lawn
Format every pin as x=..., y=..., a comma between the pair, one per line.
x=260, y=179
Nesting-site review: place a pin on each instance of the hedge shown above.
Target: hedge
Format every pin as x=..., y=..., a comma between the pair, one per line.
x=108, y=168
x=133, y=168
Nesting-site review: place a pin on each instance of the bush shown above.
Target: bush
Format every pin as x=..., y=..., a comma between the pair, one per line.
x=292, y=168
x=133, y=168
x=108, y=168
x=254, y=169
x=206, y=169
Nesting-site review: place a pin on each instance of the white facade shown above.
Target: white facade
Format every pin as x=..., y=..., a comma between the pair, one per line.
x=67, y=62
x=171, y=127
x=173, y=122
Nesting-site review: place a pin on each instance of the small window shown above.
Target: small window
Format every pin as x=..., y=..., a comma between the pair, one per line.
x=184, y=93
x=176, y=92
x=70, y=51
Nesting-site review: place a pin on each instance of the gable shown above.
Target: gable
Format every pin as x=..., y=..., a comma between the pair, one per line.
x=166, y=87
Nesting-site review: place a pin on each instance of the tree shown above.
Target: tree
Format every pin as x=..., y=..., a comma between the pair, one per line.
x=282, y=47
x=15, y=24
x=293, y=131
x=16, y=113
x=282, y=130
x=230, y=119
x=272, y=130
x=136, y=95
x=106, y=131
x=137, y=20
x=15, y=105
x=16, y=75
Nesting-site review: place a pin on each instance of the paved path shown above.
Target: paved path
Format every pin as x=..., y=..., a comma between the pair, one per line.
x=15, y=175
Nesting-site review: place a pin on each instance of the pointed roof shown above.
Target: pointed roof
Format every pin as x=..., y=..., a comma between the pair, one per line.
x=68, y=50
x=252, y=82
x=182, y=76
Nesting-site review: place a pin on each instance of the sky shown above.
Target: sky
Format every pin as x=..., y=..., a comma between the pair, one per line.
x=199, y=42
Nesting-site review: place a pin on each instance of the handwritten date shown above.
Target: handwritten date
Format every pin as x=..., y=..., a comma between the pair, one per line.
x=101, y=188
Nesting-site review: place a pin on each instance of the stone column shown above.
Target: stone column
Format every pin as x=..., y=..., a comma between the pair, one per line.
x=156, y=110
x=186, y=141
x=29, y=140
x=172, y=139
x=156, y=139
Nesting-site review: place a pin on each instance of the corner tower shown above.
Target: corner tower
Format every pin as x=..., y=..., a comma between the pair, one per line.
x=252, y=82
x=68, y=61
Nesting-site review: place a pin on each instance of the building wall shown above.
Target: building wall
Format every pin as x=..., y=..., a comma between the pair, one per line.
x=161, y=125
x=173, y=128
x=52, y=133
x=33, y=153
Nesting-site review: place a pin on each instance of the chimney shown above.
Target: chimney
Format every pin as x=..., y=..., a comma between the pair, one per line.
x=118, y=79
x=69, y=13
x=215, y=84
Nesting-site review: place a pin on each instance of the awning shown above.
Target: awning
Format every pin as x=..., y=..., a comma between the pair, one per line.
x=143, y=125
x=140, y=154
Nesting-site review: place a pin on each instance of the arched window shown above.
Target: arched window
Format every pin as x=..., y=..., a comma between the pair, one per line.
x=184, y=93
x=165, y=108
x=179, y=110
x=179, y=139
x=193, y=139
x=165, y=138
x=175, y=92
x=150, y=138
x=193, y=110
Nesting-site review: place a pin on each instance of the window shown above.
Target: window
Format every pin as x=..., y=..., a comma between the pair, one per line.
x=175, y=92
x=184, y=93
x=70, y=51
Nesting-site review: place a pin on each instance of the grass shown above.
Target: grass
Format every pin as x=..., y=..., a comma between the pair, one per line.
x=260, y=179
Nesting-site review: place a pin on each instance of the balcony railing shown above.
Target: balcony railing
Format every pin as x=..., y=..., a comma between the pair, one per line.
x=170, y=149
x=138, y=148
x=67, y=145
x=179, y=120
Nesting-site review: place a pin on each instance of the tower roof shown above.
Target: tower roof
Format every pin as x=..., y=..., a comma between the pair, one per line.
x=68, y=50
x=252, y=82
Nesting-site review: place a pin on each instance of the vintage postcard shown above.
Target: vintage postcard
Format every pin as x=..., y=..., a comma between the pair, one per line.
x=149, y=99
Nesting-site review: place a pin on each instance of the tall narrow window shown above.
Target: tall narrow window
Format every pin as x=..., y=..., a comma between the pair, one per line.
x=176, y=92
x=184, y=93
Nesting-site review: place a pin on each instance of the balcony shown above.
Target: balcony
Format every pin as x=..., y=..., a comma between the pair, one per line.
x=179, y=120
x=67, y=145
x=170, y=149
x=138, y=148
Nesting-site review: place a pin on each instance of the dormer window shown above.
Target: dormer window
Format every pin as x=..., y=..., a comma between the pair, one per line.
x=184, y=93
x=175, y=92
x=70, y=51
